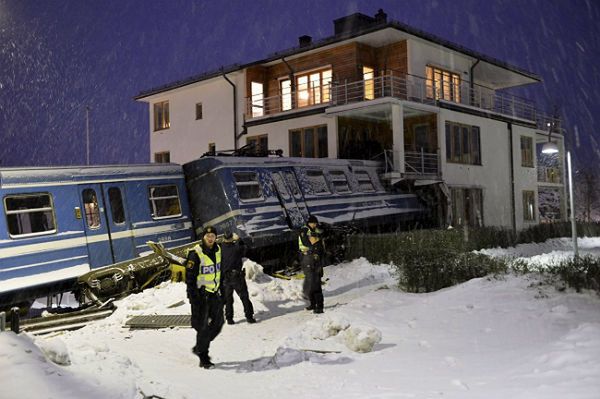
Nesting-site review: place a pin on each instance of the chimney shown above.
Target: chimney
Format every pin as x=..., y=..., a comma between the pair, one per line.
x=380, y=17
x=304, y=41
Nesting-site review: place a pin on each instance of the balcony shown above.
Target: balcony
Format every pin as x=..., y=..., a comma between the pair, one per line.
x=404, y=87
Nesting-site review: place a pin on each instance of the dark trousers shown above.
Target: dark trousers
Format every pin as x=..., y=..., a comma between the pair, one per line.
x=235, y=281
x=313, y=271
x=207, y=320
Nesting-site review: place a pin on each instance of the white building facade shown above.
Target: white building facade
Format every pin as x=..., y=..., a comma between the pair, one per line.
x=437, y=115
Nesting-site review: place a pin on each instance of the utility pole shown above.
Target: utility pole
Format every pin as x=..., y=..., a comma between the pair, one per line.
x=87, y=134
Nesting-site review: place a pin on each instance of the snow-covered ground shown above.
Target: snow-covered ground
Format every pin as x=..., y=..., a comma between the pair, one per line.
x=509, y=337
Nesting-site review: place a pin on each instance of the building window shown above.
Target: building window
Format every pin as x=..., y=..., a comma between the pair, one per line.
x=467, y=206
x=442, y=84
x=368, y=78
x=311, y=89
x=463, y=144
x=162, y=157
x=161, y=116
x=260, y=143
x=212, y=149
x=164, y=201
x=317, y=182
x=365, y=184
x=528, y=206
x=340, y=182
x=91, y=208
x=198, y=111
x=309, y=142
x=257, y=99
x=30, y=214
x=285, y=88
x=527, y=151
x=248, y=186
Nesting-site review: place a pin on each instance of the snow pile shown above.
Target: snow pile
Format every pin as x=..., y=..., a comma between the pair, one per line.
x=55, y=350
x=332, y=333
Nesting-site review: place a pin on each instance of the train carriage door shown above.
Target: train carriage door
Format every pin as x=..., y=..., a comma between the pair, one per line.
x=118, y=221
x=96, y=229
x=288, y=199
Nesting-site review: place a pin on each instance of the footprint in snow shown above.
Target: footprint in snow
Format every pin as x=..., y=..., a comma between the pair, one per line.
x=460, y=384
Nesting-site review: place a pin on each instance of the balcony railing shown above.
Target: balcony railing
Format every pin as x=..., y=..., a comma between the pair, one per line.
x=416, y=164
x=404, y=87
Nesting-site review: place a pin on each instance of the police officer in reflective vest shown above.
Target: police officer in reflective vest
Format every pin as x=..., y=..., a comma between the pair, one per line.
x=312, y=250
x=233, y=277
x=203, y=279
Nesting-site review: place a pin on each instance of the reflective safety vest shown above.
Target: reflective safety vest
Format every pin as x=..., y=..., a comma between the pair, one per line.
x=209, y=273
x=310, y=233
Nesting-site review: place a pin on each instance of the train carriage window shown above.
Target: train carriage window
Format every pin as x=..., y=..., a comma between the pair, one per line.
x=116, y=205
x=340, y=182
x=317, y=181
x=91, y=207
x=364, y=181
x=30, y=214
x=164, y=201
x=248, y=186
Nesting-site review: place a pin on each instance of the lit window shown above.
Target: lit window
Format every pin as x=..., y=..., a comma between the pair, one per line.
x=29, y=214
x=368, y=76
x=442, y=84
x=161, y=116
x=257, y=99
x=286, y=94
x=91, y=207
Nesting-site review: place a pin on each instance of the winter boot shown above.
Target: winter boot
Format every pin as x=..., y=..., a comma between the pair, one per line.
x=230, y=321
x=319, y=310
x=251, y=319
x=205, y=362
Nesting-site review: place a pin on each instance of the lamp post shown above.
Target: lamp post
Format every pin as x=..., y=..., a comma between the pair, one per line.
x=552, y=148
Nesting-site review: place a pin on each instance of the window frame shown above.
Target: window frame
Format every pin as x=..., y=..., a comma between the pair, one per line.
x=529, y=214
x=258, y=140
x=447, y=84
x=527, y=157
x=460, y=150
x=253, y=182
x=159, y=157
x=161, y=111
x=257, y=99
x=21, y=211
x=468, y=196
x=199, y=111
x=320, y=142
x=152, y=203
x=112, y=205
x=310, y=173
x=368, y=74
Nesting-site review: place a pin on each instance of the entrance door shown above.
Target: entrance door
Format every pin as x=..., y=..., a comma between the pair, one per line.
x=290, y=197
x=95, y=224
x=118, y=221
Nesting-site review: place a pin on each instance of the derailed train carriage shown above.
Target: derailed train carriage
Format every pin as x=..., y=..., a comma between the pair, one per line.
x=85, y=228
x=266, y=200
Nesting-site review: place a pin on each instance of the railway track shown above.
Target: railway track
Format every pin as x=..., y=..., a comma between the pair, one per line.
x=64, y=322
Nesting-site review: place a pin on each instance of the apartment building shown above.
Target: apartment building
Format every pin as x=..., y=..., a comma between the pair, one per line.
x=437, y=115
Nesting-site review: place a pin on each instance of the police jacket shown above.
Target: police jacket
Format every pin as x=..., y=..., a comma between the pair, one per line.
x=203, y=272
x=304, y=243
x=232, y=253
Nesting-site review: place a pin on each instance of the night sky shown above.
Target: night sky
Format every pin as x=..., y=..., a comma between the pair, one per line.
x=57, y=57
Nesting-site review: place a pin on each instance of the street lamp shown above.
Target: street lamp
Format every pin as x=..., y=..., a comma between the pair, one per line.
x=552, y=148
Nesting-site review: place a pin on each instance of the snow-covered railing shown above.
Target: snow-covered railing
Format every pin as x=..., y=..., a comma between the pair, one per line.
x=421, y=163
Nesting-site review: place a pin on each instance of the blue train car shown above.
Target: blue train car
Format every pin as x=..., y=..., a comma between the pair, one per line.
x=59, y=223
x=266, y=200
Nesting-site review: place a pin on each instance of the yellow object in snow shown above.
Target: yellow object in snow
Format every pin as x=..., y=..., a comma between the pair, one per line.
x=177, y=272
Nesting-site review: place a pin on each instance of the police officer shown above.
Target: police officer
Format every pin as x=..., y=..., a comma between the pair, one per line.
x=203, y=278
x=233, y=278
x=312, y=250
